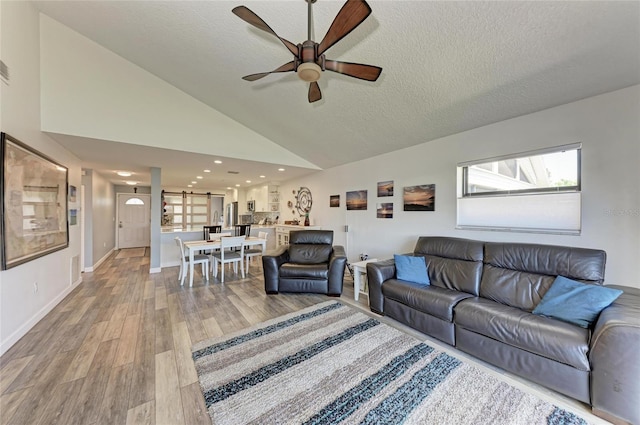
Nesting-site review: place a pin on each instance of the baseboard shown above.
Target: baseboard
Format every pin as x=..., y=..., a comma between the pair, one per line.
x=155, y=270
x=100, y=261
x=22, y=331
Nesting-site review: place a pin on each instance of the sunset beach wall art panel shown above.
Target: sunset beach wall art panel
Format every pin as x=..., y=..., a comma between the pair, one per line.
x=357, y=200
x=420, y=198
x=384, y=210
x=385, y=188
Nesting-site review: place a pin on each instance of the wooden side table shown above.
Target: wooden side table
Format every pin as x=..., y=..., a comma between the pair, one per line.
x=360, y=277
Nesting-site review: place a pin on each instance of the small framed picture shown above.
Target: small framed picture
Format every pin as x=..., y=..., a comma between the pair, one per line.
x=357, y=200
x=72, y=193
x=384, y=210
x=334, y=201
x=385, y=188
x=420, y=198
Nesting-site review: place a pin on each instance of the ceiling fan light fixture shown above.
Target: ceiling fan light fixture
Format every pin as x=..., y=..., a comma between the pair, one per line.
x=309, y=72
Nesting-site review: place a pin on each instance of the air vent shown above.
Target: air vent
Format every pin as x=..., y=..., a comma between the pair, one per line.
x=233, y=172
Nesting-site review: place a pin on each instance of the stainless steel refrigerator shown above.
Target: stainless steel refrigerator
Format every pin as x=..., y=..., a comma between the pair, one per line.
x=231, y=215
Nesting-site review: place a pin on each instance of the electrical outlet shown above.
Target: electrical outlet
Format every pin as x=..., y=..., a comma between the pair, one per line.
x=35, y=287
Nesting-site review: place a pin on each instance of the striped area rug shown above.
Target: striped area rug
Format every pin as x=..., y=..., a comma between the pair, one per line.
x=331, y=364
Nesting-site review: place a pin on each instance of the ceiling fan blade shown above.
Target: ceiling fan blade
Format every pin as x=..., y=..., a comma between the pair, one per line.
x=357, y=70
x=350, y=16
x=314, y=92
x=248, y=16
x=289, y=66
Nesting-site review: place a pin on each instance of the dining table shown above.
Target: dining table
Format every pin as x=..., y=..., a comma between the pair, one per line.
x=214, y=243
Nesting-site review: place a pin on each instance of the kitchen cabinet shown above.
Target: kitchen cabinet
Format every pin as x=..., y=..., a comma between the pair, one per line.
x=273, y=198
x=266, y=198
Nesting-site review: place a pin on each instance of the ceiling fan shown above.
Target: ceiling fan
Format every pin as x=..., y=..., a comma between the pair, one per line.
x=309, y=61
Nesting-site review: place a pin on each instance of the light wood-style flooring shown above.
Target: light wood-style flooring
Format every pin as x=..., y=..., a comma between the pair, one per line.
x=117, y=350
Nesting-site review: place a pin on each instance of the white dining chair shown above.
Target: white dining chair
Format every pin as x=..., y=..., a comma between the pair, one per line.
x=228, y=256
x=184, y=262
x=254, y=252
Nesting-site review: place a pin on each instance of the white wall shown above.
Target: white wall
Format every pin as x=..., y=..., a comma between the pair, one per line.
x=608, y=127
x=90, y=91
x=20, y=306
x=104, y=218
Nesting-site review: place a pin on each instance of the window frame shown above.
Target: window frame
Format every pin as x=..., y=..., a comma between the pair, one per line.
x=548, y=210
x=511, y=192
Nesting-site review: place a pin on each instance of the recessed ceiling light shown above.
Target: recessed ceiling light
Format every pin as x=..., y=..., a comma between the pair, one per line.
x=217, y=161
x=199, y=177
x=207, y=171
x=262, y=177
x=194, y=182
x=124, y=173
x=248, y=181
x=131, y=183
x=237, y=185
x=189, y=185
x=228, y=188
x=280, y=169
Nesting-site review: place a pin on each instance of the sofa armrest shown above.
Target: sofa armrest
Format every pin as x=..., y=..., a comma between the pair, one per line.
x=615, y=363
x=337, y=264
x=271, y=263
x=377, y=273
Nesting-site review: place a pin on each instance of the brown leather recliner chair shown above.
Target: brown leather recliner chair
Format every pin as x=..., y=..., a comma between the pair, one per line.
x=310, y=263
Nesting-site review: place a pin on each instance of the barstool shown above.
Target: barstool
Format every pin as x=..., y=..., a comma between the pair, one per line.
x=242, y=229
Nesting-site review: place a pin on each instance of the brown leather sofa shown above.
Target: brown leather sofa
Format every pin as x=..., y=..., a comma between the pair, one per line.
x=310, y=263
x=480, y=300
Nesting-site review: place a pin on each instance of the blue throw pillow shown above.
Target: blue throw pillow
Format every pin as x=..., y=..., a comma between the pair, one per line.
x=411, y=269
x=575, y=302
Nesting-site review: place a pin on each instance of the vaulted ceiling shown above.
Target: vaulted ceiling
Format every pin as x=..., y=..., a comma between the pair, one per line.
x=448, y=66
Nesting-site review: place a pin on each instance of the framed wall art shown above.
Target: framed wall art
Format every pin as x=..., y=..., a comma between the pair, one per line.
x=357, y=200
x=420, y=198
x=334, y=201
x=385, y=188
x=384, y=210
x=34, y=204
x=72, y=194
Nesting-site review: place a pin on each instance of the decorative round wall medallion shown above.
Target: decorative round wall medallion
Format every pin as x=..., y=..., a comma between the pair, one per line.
x=303, y=201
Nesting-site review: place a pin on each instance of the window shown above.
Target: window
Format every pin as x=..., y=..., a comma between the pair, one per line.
x=553, y=171
x=535, y=191
x=134, y=201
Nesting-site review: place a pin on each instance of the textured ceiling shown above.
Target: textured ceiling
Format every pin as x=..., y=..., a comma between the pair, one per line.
x=448, y=66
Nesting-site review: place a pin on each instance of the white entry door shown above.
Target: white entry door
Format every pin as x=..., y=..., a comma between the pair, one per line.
x=134, y=226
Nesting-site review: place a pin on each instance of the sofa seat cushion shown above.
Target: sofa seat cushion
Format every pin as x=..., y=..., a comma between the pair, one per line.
x=550, y=338
x=304, y=271
x=438, y=302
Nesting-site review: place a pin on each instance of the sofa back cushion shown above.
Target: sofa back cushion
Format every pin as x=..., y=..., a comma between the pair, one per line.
x=452, y=263
x=519, y=275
